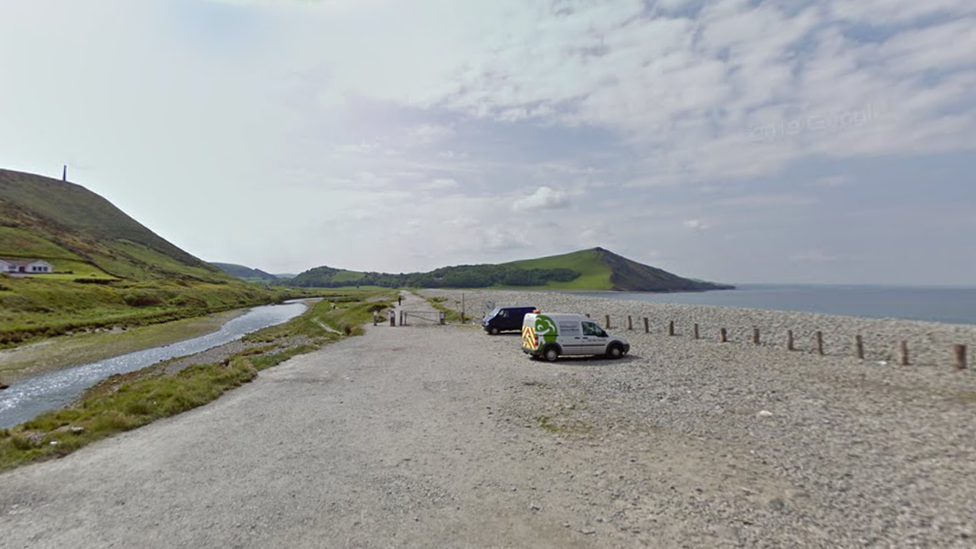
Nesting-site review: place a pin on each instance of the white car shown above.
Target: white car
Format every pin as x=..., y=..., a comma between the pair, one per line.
x=551, y=336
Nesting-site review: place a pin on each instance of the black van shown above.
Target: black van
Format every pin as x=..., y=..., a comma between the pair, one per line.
x=503, y=319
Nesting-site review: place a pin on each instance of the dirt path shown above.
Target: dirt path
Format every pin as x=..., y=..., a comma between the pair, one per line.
x=423, y=437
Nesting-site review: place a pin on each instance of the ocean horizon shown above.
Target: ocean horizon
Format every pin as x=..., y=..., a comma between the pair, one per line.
x=947, y=304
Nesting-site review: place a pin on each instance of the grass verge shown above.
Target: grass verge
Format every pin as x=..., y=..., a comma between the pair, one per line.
x=128, y=401
x=450, y=315
x=33, y=309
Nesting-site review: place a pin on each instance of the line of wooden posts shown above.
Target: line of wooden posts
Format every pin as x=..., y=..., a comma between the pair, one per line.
x=958, y=351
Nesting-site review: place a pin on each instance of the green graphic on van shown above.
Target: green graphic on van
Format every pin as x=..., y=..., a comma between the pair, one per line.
x=541, y=331
x=545, y=329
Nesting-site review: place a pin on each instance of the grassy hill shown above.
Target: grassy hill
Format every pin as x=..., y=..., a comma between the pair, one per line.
x=594, y=269
x=602, y=269
x=49, y=219
x=109, y=269
x=245, y=273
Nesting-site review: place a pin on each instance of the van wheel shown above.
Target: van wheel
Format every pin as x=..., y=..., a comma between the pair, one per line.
x=551, y=354
x=615, y=351
x=494, y=331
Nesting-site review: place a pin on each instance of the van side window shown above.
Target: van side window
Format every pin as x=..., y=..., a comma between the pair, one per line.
x=591, y=329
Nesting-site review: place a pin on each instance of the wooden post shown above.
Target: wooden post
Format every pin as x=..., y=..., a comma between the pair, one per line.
x=671, y=328
x=630, y=325
x=695, y=330
x=789, y=340
x=376, y=317
x=723, y=336
x=393, y=318
x=442, y=315
x=755, y=336
x=647, y=327
x=819, y=336
x=462, y=307
x=960, y=353
x=607, y=318
x=859, y=346
x=903, y=353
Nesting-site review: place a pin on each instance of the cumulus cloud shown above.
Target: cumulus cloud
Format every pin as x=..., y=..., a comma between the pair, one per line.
x=696, y=224
x=544, y=198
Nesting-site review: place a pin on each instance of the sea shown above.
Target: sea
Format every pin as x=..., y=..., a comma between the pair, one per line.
x=951, y=305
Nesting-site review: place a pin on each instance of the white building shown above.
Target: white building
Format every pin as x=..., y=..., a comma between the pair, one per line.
x=24, y=266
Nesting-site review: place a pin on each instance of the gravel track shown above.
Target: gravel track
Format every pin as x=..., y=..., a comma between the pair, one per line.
x=431, y=436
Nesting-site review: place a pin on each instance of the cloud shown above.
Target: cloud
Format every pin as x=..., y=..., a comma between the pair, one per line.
x=767, y=200
x=696, y=224
x=428, y=133
x=372, y=180
x=441, y=184
x=819, y=256
x=499, y=239
x=545, y=198
x=351, y=110
x=833, y=181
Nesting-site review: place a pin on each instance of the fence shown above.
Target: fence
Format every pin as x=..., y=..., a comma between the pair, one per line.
x=424, y=317
x=958, y=353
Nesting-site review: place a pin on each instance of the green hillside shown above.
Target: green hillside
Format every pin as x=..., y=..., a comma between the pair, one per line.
x=593, y=273
x=44, y=218
x=602, y=269
x=109, y=269
x=594, y=269
x=245, y=273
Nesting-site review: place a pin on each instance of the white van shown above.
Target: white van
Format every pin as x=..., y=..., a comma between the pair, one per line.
x=551, y=336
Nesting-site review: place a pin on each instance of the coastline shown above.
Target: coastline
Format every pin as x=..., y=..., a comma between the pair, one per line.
x=929, y=343
x=441, y=436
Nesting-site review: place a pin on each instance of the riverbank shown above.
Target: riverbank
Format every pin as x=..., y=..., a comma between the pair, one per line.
x=443, y=436
x=63, y=351
x=37, y=308
x=930, y=344
x=126, y=401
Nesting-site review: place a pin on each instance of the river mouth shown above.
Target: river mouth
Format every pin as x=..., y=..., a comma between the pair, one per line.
x=25, y=399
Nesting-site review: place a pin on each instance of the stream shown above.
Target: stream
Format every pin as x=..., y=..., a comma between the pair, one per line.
x=27, y=398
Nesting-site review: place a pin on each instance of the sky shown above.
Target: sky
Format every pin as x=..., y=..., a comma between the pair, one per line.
x=826, y=141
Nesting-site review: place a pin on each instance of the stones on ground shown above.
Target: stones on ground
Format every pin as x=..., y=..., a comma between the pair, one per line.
x=777, y=504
